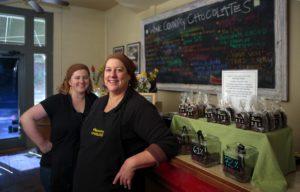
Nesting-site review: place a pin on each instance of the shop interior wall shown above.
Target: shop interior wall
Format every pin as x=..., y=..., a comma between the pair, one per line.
x=78, y=38
x=88, y=36
x=118, y=18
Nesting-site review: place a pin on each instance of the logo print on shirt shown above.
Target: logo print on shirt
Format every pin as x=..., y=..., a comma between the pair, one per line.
x=97, y=132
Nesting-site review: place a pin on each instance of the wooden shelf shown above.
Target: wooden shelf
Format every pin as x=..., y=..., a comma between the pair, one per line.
x=183, y=174
x=213, y=175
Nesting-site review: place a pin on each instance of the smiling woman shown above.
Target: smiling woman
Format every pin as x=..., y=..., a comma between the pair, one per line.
x=124, y=122
x=66, y=110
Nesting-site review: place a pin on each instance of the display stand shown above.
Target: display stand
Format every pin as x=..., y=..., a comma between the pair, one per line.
x=275, y=158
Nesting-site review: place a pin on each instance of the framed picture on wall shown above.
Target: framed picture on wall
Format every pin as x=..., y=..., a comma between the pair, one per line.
x=133, y=51
x=119, y=49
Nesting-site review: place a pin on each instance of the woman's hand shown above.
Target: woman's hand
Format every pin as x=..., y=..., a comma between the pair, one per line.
x=45, y=147
x=138, y=161
x=125, y=174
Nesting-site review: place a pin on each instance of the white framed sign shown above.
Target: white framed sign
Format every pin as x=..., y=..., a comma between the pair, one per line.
x=239, y=85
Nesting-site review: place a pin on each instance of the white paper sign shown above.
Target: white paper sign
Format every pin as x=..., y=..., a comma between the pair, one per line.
x=239, y=85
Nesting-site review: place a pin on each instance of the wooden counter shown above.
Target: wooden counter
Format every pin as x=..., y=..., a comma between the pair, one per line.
x=183, y=175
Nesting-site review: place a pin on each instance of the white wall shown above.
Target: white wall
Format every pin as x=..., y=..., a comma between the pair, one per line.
x=79, y=37
x=121, y=28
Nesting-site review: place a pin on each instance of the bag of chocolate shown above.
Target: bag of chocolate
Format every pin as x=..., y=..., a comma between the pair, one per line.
x=223, y=114
x=260, y=119
x=184, y=138
x=210, y=110
x=242, y=118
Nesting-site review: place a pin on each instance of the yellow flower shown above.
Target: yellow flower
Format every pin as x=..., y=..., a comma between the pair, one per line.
x=144, y=80
x=144, y=74
x=153, y=74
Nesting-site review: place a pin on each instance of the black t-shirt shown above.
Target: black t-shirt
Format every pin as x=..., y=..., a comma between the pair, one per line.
x=107, y=139
x=65, y=128
x=142, y=125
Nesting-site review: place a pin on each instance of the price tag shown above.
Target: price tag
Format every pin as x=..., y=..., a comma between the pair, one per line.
x=231, y=163
x=198, y=150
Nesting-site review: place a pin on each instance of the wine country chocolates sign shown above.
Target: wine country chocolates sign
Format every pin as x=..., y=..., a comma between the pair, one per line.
x=191, y=45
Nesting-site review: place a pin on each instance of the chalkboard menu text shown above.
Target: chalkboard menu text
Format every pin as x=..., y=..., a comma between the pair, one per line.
x=192, y=45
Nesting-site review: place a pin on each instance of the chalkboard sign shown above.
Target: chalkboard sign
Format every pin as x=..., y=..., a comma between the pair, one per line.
x=231, y=163
x=193, y=44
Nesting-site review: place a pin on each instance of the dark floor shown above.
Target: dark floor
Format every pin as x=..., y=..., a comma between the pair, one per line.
x=19, y=173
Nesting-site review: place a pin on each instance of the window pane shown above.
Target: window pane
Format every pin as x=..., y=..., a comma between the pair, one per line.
x=39, y=32
x=39, y=77
x=9, y=117
x=12, y=29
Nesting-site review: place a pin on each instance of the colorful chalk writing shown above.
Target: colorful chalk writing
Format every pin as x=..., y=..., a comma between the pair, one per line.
x=193, y=47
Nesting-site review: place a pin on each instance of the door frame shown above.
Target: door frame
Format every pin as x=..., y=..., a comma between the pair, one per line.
x=26, y=67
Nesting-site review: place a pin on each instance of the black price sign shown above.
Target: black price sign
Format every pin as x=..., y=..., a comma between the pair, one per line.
x=198, y=150
x=231, y=163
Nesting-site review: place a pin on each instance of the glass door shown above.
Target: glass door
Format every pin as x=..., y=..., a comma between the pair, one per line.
x=26, y=71
x=9, y=102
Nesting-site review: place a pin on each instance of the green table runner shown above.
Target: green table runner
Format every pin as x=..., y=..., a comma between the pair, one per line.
x=275, y=158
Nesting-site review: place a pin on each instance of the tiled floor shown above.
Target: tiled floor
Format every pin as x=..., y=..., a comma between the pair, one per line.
x=19, y=173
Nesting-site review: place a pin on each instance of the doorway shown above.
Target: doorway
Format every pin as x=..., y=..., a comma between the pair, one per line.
x=10, y=133
x=26, y=48
x=9, y=117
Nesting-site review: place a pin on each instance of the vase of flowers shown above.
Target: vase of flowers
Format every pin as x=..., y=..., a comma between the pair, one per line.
x=147, y=82
x=98, y=87
x=143, y=83
x=152, y=79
